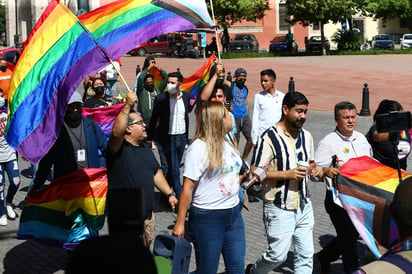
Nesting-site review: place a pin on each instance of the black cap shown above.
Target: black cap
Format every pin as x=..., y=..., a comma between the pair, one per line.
x=240, y=72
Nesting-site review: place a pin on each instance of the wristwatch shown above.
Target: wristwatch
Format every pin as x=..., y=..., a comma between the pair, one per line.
x=171, y=194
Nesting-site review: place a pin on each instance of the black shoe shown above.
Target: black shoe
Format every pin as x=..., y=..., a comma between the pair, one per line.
x=324, y=268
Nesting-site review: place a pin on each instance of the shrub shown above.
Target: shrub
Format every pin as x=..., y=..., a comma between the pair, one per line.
x=347, y=40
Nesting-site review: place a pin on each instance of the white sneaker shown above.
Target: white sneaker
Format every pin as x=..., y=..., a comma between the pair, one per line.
x=3, y=220
x=10, y=212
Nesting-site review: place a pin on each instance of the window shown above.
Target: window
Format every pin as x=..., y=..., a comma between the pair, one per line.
x=283, y=18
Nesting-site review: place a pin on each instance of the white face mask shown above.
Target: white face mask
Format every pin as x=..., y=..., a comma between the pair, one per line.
x=2, y=102
x=171, y=88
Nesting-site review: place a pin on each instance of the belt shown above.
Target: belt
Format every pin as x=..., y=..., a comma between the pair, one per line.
x=178, y=135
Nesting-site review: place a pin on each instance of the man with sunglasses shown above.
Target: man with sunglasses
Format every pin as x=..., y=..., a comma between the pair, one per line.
x=132, y=167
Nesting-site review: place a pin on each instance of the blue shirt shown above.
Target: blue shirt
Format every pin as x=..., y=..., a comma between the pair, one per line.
x=239, y=101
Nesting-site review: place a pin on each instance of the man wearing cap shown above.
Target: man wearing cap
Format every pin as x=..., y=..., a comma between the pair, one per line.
x=78, y=145
x=267, y=106
x=240, y=109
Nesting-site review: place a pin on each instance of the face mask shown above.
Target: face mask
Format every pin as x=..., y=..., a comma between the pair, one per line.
x=99, y=90
x=74, y=116
x=2, y=102
x=3, y=68
x=171, y=88
x=240, y=83
x=149, y=87
x=219, y=81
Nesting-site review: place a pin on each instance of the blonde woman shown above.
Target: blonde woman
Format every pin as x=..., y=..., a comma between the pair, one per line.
x=210, y=188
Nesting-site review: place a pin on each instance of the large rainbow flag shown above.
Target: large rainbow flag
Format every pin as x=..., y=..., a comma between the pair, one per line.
x=365, y=188
x=70, y=209
x=61, y=51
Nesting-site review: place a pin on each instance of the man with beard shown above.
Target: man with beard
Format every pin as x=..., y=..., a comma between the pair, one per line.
x=77, y=146
x=282, y=151
x=344, y=143
x=146, y=91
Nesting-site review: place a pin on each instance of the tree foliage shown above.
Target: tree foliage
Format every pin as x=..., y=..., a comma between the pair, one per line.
x=228, y=12
x=347, y=40
x=2, y=17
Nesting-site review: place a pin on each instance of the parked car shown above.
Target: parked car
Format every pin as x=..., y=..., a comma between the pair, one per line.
x=160, y=44
x=406, y=41
x=382, y=41
x=278, y=44
x=244, y=42
x=314, y=43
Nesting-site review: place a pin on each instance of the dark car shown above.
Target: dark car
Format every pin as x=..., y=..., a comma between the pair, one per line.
x=314, y=43
x=382, y=41
x=244, y=42
x=160, y=44
x=278, y=44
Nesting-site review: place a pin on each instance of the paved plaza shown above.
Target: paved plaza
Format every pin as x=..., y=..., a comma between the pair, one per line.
x=325, y=81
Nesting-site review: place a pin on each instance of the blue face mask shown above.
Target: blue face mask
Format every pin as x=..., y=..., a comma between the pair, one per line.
x=2, y=102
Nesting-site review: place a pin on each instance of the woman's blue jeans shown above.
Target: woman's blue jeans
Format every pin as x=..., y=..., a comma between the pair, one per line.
x=214, y=232
x=12, y=170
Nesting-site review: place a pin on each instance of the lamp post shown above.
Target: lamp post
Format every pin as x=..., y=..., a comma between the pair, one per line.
x=16, y=37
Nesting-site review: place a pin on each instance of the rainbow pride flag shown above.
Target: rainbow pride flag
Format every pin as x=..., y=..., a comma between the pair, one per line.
x=61, y=51
x=365, y=188
x=122, y=25
x=104, y=116
x=193, y=83
x=70, y=209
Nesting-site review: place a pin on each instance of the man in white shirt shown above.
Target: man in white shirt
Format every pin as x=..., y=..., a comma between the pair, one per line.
x=344, y=143
x=267, y=106
x=169, y=125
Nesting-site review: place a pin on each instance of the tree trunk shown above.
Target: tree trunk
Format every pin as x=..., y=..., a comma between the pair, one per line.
x=322, y=34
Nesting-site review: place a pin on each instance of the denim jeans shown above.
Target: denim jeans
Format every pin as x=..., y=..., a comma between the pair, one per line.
x=162, y=156
x=12, y=169
x=214, y=232
x=282, y=226
x=174, y=150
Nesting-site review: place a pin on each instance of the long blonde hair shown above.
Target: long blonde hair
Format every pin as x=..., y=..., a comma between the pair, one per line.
x=211, y=130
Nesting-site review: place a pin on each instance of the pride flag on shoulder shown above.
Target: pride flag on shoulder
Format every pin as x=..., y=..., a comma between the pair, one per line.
x=365, y=188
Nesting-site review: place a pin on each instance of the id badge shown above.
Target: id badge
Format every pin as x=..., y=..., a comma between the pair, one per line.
x=81, y=155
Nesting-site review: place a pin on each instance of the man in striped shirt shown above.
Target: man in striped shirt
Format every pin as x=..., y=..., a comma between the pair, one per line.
x=287, y=209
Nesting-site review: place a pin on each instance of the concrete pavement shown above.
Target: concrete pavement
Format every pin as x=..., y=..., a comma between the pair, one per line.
x=29, y=257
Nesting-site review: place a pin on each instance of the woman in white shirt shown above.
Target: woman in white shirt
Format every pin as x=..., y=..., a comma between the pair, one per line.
x=210, y=188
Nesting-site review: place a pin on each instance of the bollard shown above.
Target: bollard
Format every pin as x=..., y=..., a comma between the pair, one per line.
x=178, y=70
x=365, y=111
x=291, y=85
x=137, y=70
x=229, y=77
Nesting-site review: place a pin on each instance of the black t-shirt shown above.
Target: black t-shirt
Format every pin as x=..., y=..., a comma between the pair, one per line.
x=133, y=167
x=93, y=102
x=383, y=151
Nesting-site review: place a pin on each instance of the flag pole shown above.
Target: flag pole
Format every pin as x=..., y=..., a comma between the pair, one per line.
x=100, y=47
x=214, y=22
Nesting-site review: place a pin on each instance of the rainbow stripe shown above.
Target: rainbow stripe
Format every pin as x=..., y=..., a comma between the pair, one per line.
x=60, y=52
x=69, y=210
x=366, y=189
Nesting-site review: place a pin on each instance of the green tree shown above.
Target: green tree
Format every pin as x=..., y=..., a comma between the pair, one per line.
x=228, y=12
x=2, y=17
x=322, y=11
x=390, y=9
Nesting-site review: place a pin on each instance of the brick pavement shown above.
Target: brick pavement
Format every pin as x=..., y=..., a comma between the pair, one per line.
x=30, y=257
